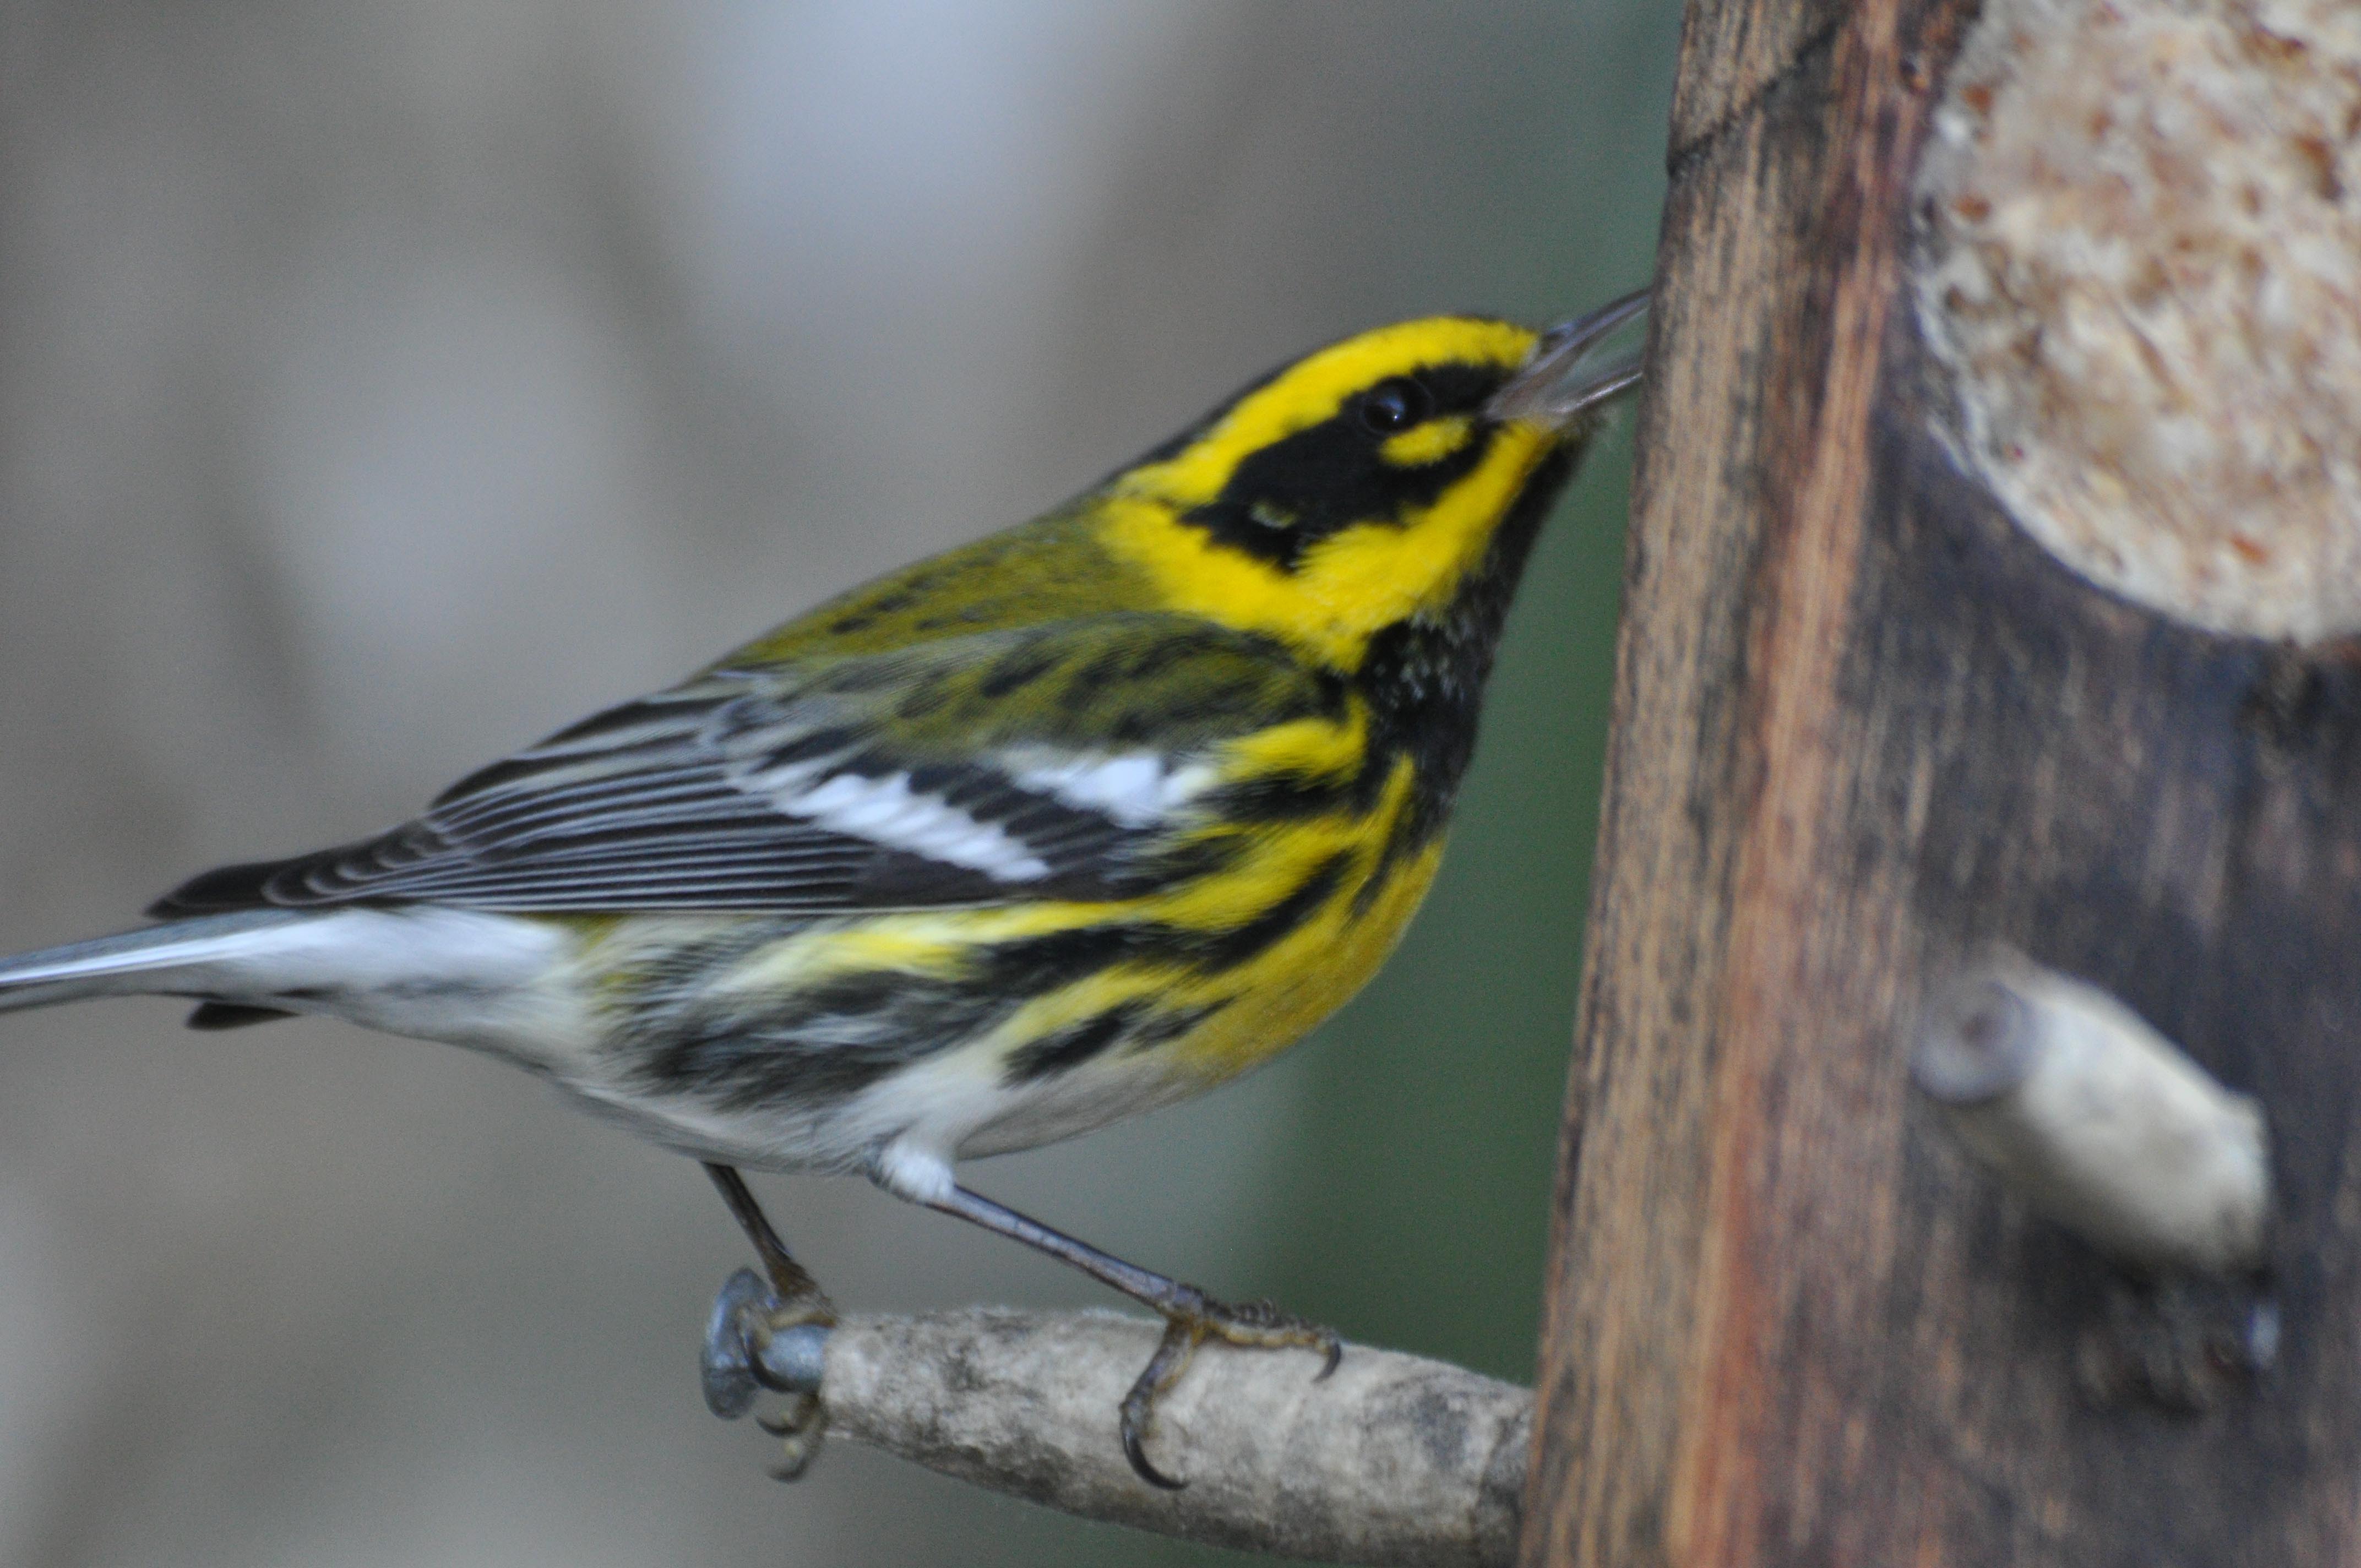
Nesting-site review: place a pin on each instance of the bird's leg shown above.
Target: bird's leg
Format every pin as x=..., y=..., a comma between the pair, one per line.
x=1190, y=1317
x=747, y=1335
x=788, y=1278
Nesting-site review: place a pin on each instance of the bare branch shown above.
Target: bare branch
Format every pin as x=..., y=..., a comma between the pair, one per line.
x=1392, y=1460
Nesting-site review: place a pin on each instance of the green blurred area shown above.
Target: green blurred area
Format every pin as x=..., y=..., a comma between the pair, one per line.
x=390, y=384
x=1410, y=1208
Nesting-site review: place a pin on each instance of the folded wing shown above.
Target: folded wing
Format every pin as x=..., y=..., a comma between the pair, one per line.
x=1062, y=760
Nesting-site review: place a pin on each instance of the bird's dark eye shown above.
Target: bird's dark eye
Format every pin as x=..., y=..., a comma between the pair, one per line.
x=1395, y=405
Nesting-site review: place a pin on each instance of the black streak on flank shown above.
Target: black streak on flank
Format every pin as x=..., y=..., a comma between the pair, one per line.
x=817, y=1047
x=1064, y=1049
x=1129, y=1023
x=841, y=1036
x=1038, y=965
x=1265, y=931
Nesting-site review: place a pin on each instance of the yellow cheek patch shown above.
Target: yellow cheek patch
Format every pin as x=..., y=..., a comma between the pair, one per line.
x=1428, y=443
x=1383, y=571
x=1348, y=585
x=1195, y=575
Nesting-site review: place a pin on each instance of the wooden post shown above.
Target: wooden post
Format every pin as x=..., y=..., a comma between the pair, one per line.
x=1864, y=724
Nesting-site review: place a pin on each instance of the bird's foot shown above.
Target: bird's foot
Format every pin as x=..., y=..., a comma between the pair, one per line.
x=1190, y=1318
x=758, y=1338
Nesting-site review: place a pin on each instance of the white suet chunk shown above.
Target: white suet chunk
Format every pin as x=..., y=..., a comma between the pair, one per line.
x=2097, y=1121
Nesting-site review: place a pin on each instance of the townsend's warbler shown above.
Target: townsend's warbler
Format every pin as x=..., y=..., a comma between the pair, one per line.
x=1075, y=821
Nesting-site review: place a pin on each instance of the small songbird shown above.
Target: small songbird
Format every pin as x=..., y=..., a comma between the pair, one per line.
x=1069, y=823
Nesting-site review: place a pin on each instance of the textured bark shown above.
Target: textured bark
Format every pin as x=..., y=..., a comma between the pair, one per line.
x=1392, y=1459
x=1862, y=726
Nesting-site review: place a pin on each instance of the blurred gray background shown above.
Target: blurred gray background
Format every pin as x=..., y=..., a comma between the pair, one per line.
x=382, y=386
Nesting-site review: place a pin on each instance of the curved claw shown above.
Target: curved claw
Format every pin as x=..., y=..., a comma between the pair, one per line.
x=794, y=1465
x=1133, y=1450
x=800, y=1428
x=1182, y=1335
x=1190, y=1318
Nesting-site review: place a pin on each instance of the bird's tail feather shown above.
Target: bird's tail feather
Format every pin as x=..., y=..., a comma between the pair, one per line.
x=173, y=958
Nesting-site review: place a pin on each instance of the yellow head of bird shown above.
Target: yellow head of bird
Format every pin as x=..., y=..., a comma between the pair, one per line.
x=1364, y=484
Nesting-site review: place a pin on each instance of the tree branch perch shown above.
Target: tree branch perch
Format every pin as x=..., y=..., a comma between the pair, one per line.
x=1393, y=1460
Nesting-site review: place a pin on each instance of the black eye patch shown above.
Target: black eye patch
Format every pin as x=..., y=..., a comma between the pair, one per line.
x=1449, y=389
x=1288, y=496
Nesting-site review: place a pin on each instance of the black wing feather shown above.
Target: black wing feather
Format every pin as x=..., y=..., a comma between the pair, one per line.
x=667, y=802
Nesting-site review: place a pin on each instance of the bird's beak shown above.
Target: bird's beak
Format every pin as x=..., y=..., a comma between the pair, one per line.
x=1574, y=368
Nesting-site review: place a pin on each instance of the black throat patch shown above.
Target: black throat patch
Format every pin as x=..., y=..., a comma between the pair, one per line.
x=1424, y=677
